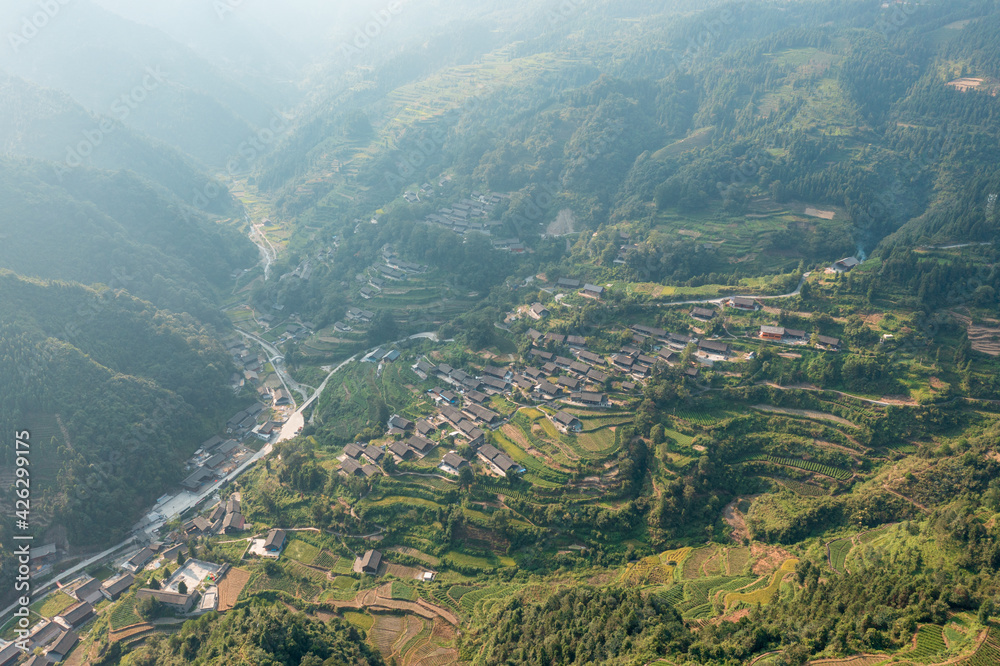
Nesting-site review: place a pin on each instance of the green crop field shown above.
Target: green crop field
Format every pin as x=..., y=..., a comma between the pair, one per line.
x=53, y=604
x=930, y=641
x=807, y=465
x=303, y=552
x=838, y=553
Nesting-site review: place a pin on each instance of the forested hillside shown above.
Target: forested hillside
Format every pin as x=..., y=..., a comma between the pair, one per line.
x=49, y=125
x=94, y=226
x=135, y=388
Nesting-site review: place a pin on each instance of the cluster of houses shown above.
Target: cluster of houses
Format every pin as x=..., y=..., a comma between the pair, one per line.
x=213, y=458
x=393, y=267
x=254, y=372
x=49, y=641
x=798, y=337
x=469, y=214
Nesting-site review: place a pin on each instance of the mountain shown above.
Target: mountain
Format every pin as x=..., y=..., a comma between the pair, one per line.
x=141, y=77
x=91, y=226
x=132, y=388
x=48, y=125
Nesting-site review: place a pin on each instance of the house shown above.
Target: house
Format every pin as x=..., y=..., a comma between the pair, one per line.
x=744, y=303
x=497, y=461
x=451, y=463
x=493, y=371
x=592, y=291
x=523, y=382
x=369, y=563
x=370, y=470
x=367, y=293
x=233, y=522
x=177, y=601
x=472, y=433
x=115, y=587
x=534, y=373
x=281, y=397
x=476, y=397
x=590, y=357
x=353, y=451
x=75, y=615
x=86, y=589
x=538, y=311
x=535, y=335
x=588, y=398
x=209, y=444
x=692, y=372
x=579, y=368
x=57, y=651
x=216, y=461
x=649, y=331
x=138, y=561
x=548, y=390
x=711, y=347
x=576, y=341
x=373, y=454
x=482, y=415
x=623, y=362
x=772, y=332
x=550, y=369
x=197, y=479
x=628, y=387
x=10, y=654
x=845, y=265
x=401, y=451
x=563, y=362
x=218, y=513
x=567, y=283
x=350, y=468
x=567, y=422
x=678, y=341
x=569, y=382
x=423, y=368
x=275, y=541
x=197, y=526
x=495, y=385
x=833, y=344
x=795, y=334
x=425, y=428
x=704, y=314
x=543, y=356
x=597, y=376
x=170, y=554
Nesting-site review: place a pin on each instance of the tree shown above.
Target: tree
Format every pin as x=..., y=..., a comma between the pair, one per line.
x=180, y=558
x=182, y=587
x=466, y=477
x=154, y=584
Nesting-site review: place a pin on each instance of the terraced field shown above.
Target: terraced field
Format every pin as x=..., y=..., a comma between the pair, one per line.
x=763, y=595
x=987, y=654
x=838, y=553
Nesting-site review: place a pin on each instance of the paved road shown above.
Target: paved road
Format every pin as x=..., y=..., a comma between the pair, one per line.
x=277, y=360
